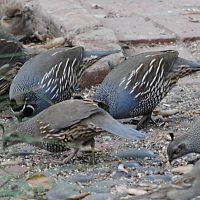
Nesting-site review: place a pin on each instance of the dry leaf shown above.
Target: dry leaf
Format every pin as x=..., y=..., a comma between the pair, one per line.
x=122, y=169
x=38, y=181
x=136, y=191
x=79, y=196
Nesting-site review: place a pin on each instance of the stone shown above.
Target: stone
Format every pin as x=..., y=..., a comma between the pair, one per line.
x=94, y=74
x=135, y=153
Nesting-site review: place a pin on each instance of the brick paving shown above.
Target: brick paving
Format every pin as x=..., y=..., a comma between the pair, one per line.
x=103, y=23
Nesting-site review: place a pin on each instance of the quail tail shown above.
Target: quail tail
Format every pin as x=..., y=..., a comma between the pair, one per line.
x=191, y=64
x=111, y=125
x=100, y=54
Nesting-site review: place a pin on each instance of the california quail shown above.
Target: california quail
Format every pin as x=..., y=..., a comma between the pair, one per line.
x=186, y=143
x=138, y=84
x=12, y=56
x=68, y=124
x=49, y=78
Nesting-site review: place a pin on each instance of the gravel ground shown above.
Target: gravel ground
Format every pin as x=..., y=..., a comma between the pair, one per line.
x=124, y=169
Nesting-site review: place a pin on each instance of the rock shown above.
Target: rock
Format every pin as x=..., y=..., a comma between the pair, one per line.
x=97, y=189
x=135, y=153
x=94, y=74
x=152, y=177
x=82, y=178
x=101, y=196
x=63, y=190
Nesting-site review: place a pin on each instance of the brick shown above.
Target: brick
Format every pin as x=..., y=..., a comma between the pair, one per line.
x=101, y=38
x=137, y=30
x=69, y=16
x=181, y=25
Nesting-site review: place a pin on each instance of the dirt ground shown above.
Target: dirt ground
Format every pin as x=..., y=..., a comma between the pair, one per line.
x=120, y=168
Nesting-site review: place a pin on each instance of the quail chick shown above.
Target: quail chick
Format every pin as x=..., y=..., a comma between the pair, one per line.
x=12, y=56
x=138, y=84
x=49, y=78
x=67, y=125
x=188, y=142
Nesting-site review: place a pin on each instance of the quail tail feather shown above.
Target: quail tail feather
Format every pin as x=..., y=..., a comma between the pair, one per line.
x=189, y=63
x=100, y=54
x=109, y=124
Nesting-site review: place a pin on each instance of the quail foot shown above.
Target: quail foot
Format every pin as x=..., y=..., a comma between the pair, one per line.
x=67, y=125
x=138, y=84
x=49, y=78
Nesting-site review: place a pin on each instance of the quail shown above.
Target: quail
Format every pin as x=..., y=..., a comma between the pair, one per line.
x=24, y=20
x=188, y=142
x=12, y=56
x=138, y=84
x=49, y=78
x=67, y=125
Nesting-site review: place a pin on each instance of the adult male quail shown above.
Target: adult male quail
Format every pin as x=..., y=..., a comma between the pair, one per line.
x=188, y=142
x=67, y=125
x=12, y=56
x=138, y=84
x=49, y=78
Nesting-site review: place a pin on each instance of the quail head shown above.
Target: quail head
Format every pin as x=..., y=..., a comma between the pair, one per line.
x=67, y=125
x=49, y=78
x=186, y=143
x=138, y=84
x=12, y=56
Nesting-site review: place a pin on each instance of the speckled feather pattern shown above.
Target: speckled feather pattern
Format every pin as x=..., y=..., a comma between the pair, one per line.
x=138, y=84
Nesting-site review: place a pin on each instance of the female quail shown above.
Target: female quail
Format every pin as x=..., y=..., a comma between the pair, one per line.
x=67, y=125
x=188, y=142
x=49, y=78
x=138, y=84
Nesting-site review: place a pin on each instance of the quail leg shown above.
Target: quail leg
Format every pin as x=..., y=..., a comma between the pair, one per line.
x=70, y=156
x=144, y=120
x=92, y=144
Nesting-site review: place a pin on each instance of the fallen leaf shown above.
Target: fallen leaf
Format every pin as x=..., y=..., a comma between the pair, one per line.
x=38, y=181
x=130, y=191
x=136, y=191
x=78, y=196
x=122, y=169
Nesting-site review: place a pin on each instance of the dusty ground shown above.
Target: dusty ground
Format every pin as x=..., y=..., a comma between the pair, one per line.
x=32, y=174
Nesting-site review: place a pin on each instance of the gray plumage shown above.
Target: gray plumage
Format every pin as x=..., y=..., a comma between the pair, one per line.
x=70, y=123
x=49, y=78
x=187, y=143
x=138, y=84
